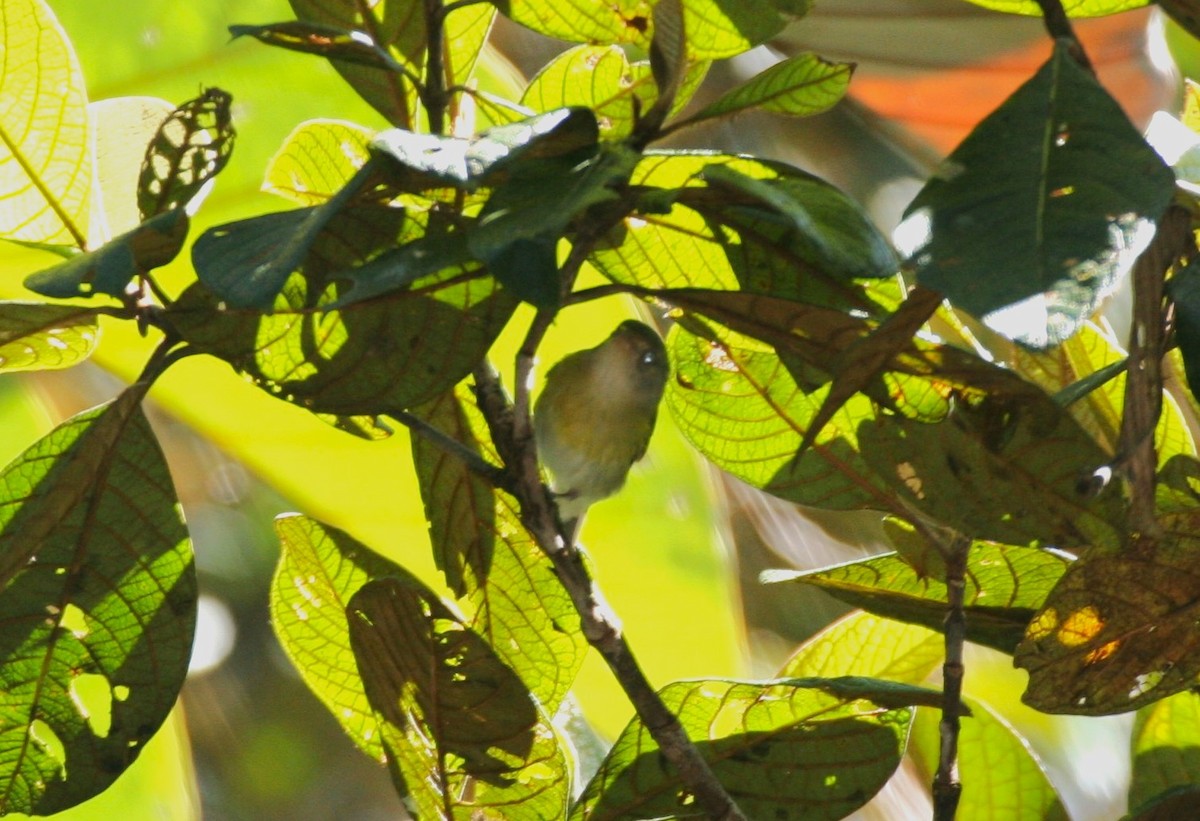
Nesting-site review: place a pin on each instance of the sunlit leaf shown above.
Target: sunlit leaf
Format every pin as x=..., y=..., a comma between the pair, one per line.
x=722, y=28
x=45, y=164
x=863, y=644
x=35, y=337
x=602, y=78
x=1118, y=631
x=99, y=606
x=316, y=160
x=583, y=21
x=492, y=563
x=1005, y=586
x=798, y=86
x=1165, y=748
x=111, y=267
x=1036, y=215
x=1002, y=779
x=818, y=748
x=1073, y=8
x=123, y=128
x=189, y=149
x=460, y=730
x=319, y=569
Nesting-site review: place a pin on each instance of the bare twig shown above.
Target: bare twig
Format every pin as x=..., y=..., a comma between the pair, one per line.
x=946, y=787
x=1059, y=27
x=433, y=95
x=1144, y=381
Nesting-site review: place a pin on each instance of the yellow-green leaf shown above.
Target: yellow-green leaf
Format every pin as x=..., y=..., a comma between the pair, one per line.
x=316, y=160
x=35, y=336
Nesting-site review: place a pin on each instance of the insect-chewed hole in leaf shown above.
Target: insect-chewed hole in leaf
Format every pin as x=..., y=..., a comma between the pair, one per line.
x=73, y=619
x=908, y=475
x=1146, y=682
x=92, y=695
x=49, y=743
x=1102, y=652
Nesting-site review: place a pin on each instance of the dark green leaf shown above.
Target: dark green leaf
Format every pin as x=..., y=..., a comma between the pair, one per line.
x=1184, y=290
x=458, y=726
x=189, y=149
x=491, y=562
x=35, y=336
x=99, y=606
x=246, y=263
x=1005, y=587
x=1119, y=630
x=325, y=41
x=1172, y=805
x=1036, y=215
x=429, y=161
x=110, y=268
x=799, y=748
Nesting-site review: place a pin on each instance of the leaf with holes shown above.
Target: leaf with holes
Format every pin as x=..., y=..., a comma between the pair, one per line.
x=1118, y=631
x=491, y=562
x=1005, y=586
x=188, y=151
x=460, y=729
x=819, y=748
x=35, y=336
x=1035, y=217
x=110, y=268
x=799, y=86
x=99, y=606
x=45, y=160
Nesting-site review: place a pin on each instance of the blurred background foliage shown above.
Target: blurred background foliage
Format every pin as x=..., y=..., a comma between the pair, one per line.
x=248, y=740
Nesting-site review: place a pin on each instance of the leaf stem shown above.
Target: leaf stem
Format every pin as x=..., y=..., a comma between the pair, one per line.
x=1058, y=24
x=497, y=476
x=1144, y=380
x=433, y=95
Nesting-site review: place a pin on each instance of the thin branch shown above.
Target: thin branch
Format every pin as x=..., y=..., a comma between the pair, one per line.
x=947, y=789
x=434, y=93
x=1144, y=382
x=475, y=463
x=1058, y=25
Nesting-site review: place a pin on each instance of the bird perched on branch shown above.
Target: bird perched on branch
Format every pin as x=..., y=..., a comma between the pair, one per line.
x=594, y=417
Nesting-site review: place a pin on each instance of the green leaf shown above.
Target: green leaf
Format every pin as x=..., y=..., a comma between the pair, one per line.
x=1005, y=586
x=187, y=152
x=246, y=263
x=316, y=160
x=811, y=748
x=461, y=731
x=320, y=568
x=716, y=29
x=1173, y=804
x=35, y=336
x=794, y=236
x=1012, y=468
x=402, y=349
x=99, y=602
x=583, y=21
x=1184, y=290
x=1183, y=12
x=798, y=86
x=430, y=161
x=602, y=78
x=863, y=644
x=1165, y=748
x=1038, y=213
x=329, y=42
x=1073, y=8
x=110, y=268
x=1118, y=631
x=501, y=576
x=400, y=32
x=45, y=161
x=1002, y=779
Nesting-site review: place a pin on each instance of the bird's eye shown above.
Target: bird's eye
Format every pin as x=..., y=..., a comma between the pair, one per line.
x=649, y=358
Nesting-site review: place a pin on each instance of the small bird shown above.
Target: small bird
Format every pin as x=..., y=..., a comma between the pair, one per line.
x=594, y=417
